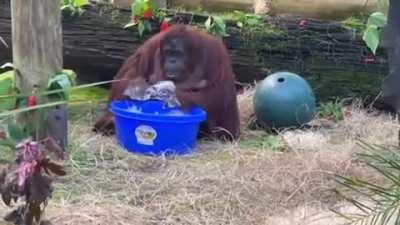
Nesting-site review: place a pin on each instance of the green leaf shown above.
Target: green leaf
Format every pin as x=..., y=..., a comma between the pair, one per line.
x=141, y=29
x=80, y=11
x=15, y=132
x=146, y=4
x=138, y=7
x=133, y=8
x=62, y=82
x=377, y=19
x=153, y=6
x=381, y=3
x=8, y=143
x=371, y=38
x=223, y=34
x=65, y=2
x=71, y=75
x=67, y=7
x=147, y=26
x=7, y=84
x=216, y=25
x=252, y=21
x=219, y=21
x=385, y=206
x=239, y=24
x=239, y=14
x=208, y=23
x=80, y=3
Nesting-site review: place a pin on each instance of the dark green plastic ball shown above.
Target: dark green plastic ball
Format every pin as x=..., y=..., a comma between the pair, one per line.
x=284, y=99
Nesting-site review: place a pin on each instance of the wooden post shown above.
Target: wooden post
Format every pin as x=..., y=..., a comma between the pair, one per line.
x=37, y=55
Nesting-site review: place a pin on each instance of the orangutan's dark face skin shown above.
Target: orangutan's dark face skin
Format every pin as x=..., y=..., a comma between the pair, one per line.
x=175, y=58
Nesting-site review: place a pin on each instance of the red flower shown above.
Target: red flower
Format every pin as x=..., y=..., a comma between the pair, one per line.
x=32, y=101
x=25, y=170
x=164, y=26
x=31, y=155
x=303, y=23
x=147, y=14
x=29, y=150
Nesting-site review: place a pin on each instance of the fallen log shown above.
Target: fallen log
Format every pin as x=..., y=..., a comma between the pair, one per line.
x=330, y=56
x=338, y=9
x=215, y=5
x=127, y=3
x=327, y=9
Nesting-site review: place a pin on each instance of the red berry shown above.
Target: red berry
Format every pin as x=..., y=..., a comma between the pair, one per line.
x=303, y=23
x=164, y=26
x=32, y=101
x=147, y=14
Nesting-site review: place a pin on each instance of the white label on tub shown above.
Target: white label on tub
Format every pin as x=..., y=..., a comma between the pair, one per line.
x=145, y=135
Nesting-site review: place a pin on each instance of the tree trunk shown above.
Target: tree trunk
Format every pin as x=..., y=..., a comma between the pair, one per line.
x=37, y=56
x=37, y=42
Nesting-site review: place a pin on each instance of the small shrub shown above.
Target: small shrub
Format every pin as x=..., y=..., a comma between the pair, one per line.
x=383, y=207
x=216, y=25
x=74, y=7
x=247, y=20
x=29, y=176
x=145, y=11
x=331, y=111
x=267, y=142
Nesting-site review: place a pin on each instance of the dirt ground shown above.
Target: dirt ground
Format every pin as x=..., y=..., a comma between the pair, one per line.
x=261, y=179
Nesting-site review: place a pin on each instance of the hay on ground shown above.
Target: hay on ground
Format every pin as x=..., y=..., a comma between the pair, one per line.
x=220, y=183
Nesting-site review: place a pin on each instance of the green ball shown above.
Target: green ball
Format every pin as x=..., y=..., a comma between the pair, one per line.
x=284, y=99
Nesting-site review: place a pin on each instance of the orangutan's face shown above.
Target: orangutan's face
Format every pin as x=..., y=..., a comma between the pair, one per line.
x=175, y=60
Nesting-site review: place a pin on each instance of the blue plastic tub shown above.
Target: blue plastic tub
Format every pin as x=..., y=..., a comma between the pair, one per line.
x=149, y=128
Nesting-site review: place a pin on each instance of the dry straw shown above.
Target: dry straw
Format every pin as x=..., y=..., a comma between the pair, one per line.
x=220, y=183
